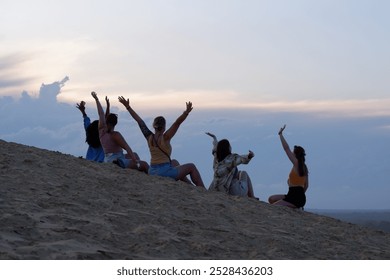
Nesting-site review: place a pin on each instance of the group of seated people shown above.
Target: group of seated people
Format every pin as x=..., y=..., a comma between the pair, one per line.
x=107, y=145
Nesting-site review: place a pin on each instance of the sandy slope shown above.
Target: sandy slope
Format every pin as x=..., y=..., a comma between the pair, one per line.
x=56, y=206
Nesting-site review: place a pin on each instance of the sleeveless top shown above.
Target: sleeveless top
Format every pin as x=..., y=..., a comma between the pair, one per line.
x=160, y=151
x=294, y=180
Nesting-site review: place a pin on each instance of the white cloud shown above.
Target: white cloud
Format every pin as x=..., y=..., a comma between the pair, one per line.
x=208, y=99
x=330, y=108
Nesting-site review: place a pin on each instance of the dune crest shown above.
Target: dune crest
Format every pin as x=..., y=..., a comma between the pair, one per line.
x=57, y=206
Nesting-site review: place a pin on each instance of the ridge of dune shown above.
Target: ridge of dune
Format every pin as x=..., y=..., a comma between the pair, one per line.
x=57, y=206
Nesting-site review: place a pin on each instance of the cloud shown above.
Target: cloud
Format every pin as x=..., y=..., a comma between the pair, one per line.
x=45, y=60
x=348, y=108
x=213, y=99
x=41, y=121
x=11, y=79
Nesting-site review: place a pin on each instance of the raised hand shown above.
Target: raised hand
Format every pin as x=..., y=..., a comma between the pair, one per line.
x=189, y=107
x=281, y=130
x=81, y=106
x=94, y=95
x=125, y=102
x=210, y=134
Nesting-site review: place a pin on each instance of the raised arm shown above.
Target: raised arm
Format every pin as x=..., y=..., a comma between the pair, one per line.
x=212, y=136
x=243, y=159
x=134, y=115
x=214, y=150
x=81, y=107
x=144, y=129
x=108, y=107
x=286, y=147
x=175, y=126
x=102, y=119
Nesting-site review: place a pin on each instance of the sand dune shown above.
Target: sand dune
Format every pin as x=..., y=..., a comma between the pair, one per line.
x=56, y=206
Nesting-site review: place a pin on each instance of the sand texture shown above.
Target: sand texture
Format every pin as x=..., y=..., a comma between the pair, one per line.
x=57, y=206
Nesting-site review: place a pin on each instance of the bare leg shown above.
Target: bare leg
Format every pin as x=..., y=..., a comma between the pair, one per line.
x=143, y=166
x=135, y=154
x=175, y=163
x=190, y=168
x=284, y=203
x=276, y=197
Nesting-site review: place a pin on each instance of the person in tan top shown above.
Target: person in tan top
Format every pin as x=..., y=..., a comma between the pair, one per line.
x=160, y=148
x=298, y=180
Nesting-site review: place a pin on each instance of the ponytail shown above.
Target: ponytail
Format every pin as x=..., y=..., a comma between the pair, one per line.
x=300, y=155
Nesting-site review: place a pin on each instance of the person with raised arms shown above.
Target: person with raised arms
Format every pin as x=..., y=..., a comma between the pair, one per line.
x=298, y=179
x=113, y=142
x=227, y=178
x=160, y=148
x=95, y=150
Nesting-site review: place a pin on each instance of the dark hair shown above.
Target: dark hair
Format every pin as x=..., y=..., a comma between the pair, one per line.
x=112, y=119
x=300, y=154
x=92, y=132
x=223, y=149
x=159, y=123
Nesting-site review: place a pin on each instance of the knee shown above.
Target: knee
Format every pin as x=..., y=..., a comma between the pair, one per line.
x=191, y=166
x=143, y=166
x=243, y=175
x=174, y=162
x=136, y=156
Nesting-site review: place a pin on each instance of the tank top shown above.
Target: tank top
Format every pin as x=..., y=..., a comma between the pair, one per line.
x=159, y=155
x=295, y=180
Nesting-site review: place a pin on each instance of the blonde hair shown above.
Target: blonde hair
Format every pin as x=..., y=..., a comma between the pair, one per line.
x=159, y=123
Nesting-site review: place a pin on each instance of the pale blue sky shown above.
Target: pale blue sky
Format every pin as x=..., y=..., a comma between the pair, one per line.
x=322, y=67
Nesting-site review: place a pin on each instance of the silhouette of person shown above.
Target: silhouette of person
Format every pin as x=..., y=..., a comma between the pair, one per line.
x=227, y=178
x=95, y=150
x=113, y=142
x=298, y=179
x=160, y=148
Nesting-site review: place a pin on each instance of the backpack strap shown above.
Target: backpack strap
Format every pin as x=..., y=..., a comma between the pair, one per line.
x=156, y=142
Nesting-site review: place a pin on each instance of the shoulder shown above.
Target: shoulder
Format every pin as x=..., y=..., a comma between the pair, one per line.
x=115, y=134
x=166, y=137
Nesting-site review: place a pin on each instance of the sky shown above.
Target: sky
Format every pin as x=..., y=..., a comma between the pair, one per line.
x=249, y=67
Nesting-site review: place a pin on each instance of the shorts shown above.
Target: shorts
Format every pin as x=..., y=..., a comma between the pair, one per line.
x=118, y=158
x=296, y=196
x=239, y=187
x=164, y=170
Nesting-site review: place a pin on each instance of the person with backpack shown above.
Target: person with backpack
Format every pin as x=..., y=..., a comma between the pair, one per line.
x=227, y=178
x=160, y=148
